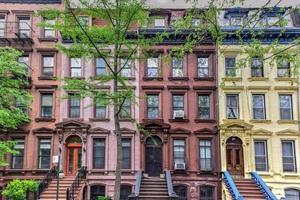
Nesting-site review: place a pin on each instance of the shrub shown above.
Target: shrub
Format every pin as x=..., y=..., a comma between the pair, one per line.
x=17, y=189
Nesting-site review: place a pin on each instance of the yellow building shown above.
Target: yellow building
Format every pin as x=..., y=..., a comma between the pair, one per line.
x=258, y=112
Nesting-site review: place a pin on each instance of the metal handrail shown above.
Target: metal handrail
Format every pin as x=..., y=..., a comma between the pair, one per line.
x=137, y=188
x=45, y=182
x=171, y=192
x=263, y=186
x=81, y=175
x=235, y=194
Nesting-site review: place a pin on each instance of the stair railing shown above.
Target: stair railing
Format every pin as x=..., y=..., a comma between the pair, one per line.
x=45, y=182
x=235, y=194
x=263, y=186
x=172, y=194
x=81, y=175
x=137, y=188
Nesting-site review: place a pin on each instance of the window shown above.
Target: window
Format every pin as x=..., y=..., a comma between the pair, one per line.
x=100, y=67
x=48, y=65
x=272, y=21
x=2, y=26
x=261, y=155
x=236, y=20
x=286, y=112
x=126, y=146
x=179, y=151
x=98, y=153
x=177, y=67
x=24, y=60
x=283, y=68
x=159, y=22
x=18, y=159
x=83, y=20
x=203, y=67
x=257, y=69
x=49, y=32
x=100, y=110
x=203, y=106
x=258, y=103
x=126, y=109
x=44, y=153
x=125, y=192
x=288, y=156
x=24, y=27
x=97, y=191
x=232, y=106
x=153, y=67
x=75, y=67
x=195, y=22
x=126, y=67
x=230, y=66
x=205, y=155
x=181, y=191
x=292, y=194
x=178, y=103
x=152, y=106
x=74, y=106
x=46, y=105
x=206, y=193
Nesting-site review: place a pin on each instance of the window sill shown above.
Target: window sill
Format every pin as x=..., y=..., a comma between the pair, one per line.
x=156, y=119
x=201, y=172
x=45, y=119
x=285, y=79
x=75, y=119
x=98, y=119
x=178, y=78
x=153, y=78
x=129, y=78
x=179, y=120
x=48, y=39
x=204, y=78
x=258, y=79
x=290, y=174
x=78, y=77
x=287, y=121
x=233, y=79
x=205, y=120
x=47, y=78
x=260, y=121
x=126, y=120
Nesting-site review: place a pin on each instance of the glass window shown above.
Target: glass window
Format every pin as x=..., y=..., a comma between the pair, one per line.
x=126, y=146
x=230, y=69
x=207, y=193
x=100, y=110
x=152, y=106
x=257, y=69
x=44, y=153
x=126, y=67
x=153, y=67
x=97, y=191
x=292, y=194
x=203, y=67
x=125, y=192
x=126, y=109
x=232, y=106
x=178, y=102
x=288, y=156
x=236, y=20
x=75, y=67
x=48, y=65
x=261, y=155
x=205, y=155
x=98, y=153
x=203, y=106
x=18, y=159
x=24, y=27
x=283, y=68
x=159, y=22
x=46, y=105
x=100, y=67
x=24, y=60
x=286, y=112
x=181, y=191
x=272, y=20
x=258, y=103
x=179, y=151
x=74, y=106
x=2, y=26
x=49, y=32
x=177, y=67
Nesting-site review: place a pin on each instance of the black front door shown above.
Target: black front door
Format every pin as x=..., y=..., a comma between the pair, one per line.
x=153, y=157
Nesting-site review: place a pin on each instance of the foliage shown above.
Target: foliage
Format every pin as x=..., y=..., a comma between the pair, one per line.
x=17, y=189
x=6, y=147
x=103, y=198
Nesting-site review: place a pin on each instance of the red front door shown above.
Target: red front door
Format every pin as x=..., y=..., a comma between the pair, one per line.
x=73, y=158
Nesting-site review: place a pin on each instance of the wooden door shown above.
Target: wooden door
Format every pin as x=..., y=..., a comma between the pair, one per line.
x=73, y=158
x=153, y=156
x=235, y=158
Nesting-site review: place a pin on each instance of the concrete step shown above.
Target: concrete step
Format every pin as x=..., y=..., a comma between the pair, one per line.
x=153, y=189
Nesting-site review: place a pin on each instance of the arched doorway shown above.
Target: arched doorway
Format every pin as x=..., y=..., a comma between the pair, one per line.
x=73, y=155
x=153, y=156
x=235, y=156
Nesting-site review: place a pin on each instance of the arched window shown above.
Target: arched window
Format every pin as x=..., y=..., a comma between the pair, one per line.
x=97, y=191
x=181, y=191
x=125, y=191
x=206, y=192
x=292, y=194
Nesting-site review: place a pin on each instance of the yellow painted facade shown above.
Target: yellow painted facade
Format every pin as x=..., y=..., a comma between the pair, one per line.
x=272, y=129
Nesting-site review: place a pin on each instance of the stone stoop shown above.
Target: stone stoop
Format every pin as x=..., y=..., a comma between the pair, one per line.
x=248, y=189
x=64, y=184
x=154, y=188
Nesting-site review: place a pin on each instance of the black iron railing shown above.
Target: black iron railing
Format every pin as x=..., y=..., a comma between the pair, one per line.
x=81, y=175
x=171, y=193
x=45, y=182
x=137, y=188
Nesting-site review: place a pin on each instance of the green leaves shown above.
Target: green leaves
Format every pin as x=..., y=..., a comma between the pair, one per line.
x=17, y=189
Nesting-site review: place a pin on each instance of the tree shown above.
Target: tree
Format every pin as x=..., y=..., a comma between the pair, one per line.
x=120, y=33
x=15, y=98
x=18, y=189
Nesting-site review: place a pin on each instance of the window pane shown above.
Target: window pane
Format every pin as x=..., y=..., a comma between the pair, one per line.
x=152, y=106
x=230, y=67
x=100, y=67
x=179, y=151
x=159, y=23
x=204, y=106
x=49, y=32
x=261, y=158
x=125, y=191
x=126, y=146
x=285, y=107
x=97, y=191
x=203, y=67
x=126, y=67
x=181, y=191
x=44, y=153
x=205, y=155
x=206, y=193
x=24, y=26
x=292, y=194
x=232, y=106
x=257, y=67
x=48, y=65
x=153, y=67
x=83, y=20
x=2, y=26
x=18, y=159
x=99, y=153
x=283, y=68
x=74, y=109
x=46, y=105
x=258, y=106
x=288, y=156
x=126, y=109
x=177, y=67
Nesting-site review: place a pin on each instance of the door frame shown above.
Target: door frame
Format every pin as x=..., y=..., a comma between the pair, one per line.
x=160, y=146
x=238, y=145
x=75, y=160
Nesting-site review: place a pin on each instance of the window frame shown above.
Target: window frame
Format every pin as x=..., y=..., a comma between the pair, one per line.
x=45, y=29
x=212, y=192
x=72, y=67
x=184, y=150
x=263, y=108
x=13, y=164
x=104, y=152
x=199, y=107
x=158, y=105
x=234, y=73
x=128, y=107
x=186, y=191
x=237, y=107
x=99, y=107
x=206, y=148
x=176, y=108
x=129, y=157
x=266, y=157
x=130, y=66
x=2, y=30
x=105, y=67
x=70, y=107
x=208, y=75
x=290, y=109
x=280, y=67
x=293, y=156
x=255, y=69
x=181, y=68
x=39, y=153
x=52, y=55
x=23, y=30
x=155, y=56
x=41, y=104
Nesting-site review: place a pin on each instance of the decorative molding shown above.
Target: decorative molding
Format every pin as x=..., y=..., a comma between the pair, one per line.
x=99, y=119
x=285, y=88
x=205, y=121
x=288, y=132
x=258, y=87
x=179, y=120
x=258, y=79
x=43, y=130
x=260, y=121
x=178, y=78
x=235, y=124
x=204, y=79
x=127, y=131
x=45, y=86
x=287, y=121
x=232, y=87
x=179, y=131
x=178, y=87
x=289, y=79
x=153, y=78
x=47, y=50
x=261, y=131
x=99, y=131
x=232, y=79
x=152, y=87
x=204, y=87
x=44, y=119
x=204, y=131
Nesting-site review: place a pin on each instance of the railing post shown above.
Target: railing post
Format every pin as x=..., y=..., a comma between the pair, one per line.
x=172, y=194
x=68, y=194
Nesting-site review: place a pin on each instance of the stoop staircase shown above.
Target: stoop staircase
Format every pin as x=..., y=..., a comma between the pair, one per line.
x=248, y=189
x=154, y=188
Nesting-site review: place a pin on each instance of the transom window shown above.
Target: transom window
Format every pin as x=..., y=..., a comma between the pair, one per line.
x=48, y=65
x=258, y=103
x=46, y=105
x=126, y=146
x=204, y=106
x=203, y=66
x=75, y=67
x=285, y=102
x=100, y=67
x=283, y=68
x=230, y=68
x=44, y=153
x=49, y=32
x=257, y=69
x=74, y=106
x=153, y=67
x=207, y=193
x=18, y=159
x=177, y=67
x=98, y=153
x=179, y=151
x=288, y=156
x=232, y=106
x=261, y=155
x=205, y=155
x=152, y=106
